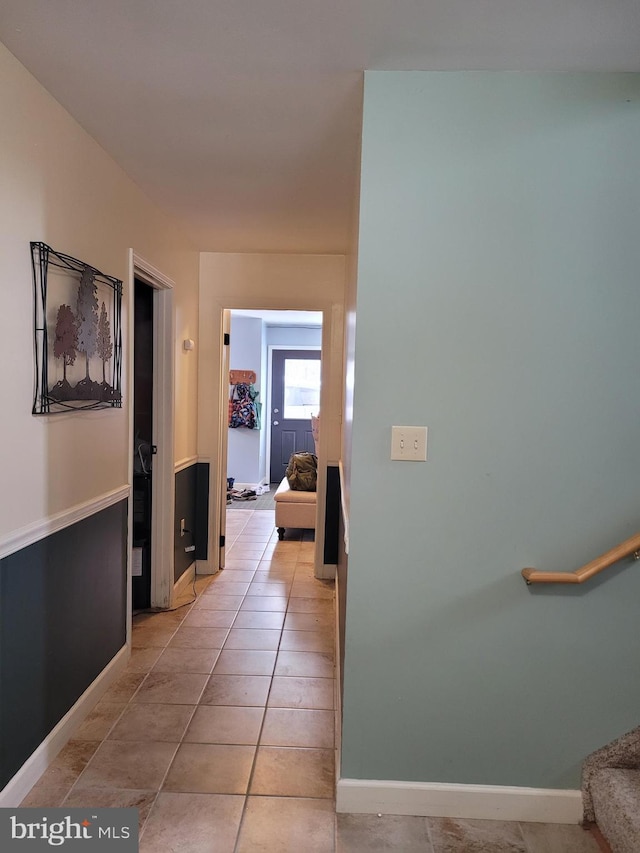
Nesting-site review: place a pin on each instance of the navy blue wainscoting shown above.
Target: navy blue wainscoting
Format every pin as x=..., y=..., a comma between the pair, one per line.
x=62, y=619
x=202, y=511
x=332, y=515
x=192, y=505
x=185, y=508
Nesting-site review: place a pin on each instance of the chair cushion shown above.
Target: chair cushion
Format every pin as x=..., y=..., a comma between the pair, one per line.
x=284, y=493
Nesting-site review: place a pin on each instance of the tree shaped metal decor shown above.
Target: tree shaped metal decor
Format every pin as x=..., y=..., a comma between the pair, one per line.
x=87, y=314
x=66, y=342
x=104, y=345
x=63, y=381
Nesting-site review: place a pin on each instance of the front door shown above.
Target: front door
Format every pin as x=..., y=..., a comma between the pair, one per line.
x=295, y=396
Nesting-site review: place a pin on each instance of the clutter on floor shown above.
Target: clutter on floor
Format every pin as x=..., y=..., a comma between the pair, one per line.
x=246, y=494
x=243, y=495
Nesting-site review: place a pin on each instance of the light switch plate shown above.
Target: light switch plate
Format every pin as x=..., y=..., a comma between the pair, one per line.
x=409, y=443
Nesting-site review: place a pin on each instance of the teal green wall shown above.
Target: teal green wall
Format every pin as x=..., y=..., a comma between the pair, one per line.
x=498, y=303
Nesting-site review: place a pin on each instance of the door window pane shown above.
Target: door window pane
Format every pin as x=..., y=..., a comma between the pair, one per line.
x=301, y=387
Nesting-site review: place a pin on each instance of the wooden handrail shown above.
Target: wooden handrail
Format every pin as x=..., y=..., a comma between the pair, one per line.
x=629, y=546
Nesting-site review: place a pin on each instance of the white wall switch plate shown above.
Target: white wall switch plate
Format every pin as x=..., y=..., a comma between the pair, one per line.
x=409, y=444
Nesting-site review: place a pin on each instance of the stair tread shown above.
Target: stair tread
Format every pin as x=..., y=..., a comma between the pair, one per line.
x=616, y=800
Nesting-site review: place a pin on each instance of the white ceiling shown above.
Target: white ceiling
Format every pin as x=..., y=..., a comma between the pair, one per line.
x=242, y=117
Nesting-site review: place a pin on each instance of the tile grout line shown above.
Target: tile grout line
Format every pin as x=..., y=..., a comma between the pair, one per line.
x=198, y=701
x=522, y=835
x=186, y=728
x=266, y=703
x=429, y=835
x=130, y=702
x=264, y=716
x=195, y=707
x=127, y=704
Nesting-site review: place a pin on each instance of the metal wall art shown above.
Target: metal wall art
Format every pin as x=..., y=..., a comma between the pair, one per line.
x=78, y=334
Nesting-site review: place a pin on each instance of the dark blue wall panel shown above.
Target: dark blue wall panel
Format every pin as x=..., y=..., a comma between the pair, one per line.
x=185, y=508
x=62, y=619
x=332, y=515
x=192, y=504
x=202, y=511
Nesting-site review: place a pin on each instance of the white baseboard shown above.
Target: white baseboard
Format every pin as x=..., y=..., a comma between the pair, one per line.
x=326, y=572
x=184, y=581
x=19, y=786
x=206, y=567
x=343, y=505
x=337, y=684
x=477, y=802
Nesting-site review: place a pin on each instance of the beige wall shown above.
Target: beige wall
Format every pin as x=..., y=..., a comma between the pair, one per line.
x=60, y=187
x=301, y=282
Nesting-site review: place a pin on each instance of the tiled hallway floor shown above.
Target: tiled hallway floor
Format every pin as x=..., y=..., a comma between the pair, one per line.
x=221, y=730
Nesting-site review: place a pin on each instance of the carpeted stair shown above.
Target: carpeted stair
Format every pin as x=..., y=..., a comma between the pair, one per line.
x=611, y=792
x=616, y=802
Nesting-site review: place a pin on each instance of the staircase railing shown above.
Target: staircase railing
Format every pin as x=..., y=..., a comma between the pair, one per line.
x=624, y=549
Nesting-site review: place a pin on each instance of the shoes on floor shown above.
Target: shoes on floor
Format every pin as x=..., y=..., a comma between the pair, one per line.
x=245, y=495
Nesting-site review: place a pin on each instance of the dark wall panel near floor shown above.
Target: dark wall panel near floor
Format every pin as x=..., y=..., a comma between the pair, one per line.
x=202, y=510
x=185, y=508
x=332, y=515
x=62, y=619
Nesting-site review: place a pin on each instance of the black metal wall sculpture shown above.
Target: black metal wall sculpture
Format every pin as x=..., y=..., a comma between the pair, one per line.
x=78, y=334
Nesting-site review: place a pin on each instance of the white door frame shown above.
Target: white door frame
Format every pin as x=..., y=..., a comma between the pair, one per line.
x=218, y=471
x=163, y=479
x=224, y=434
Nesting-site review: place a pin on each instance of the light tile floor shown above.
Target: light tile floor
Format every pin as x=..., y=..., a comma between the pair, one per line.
x=221, y=730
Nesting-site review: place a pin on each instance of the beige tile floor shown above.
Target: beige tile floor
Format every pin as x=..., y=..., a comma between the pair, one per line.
x=221, y=730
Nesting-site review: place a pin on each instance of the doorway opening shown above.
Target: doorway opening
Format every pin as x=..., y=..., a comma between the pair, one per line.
x=151, y=429
x=142, y=444
x=260, y=342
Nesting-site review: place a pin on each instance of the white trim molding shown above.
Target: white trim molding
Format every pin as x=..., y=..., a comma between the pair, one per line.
x=184, y=581
x=343, y=504
x=187, y=462
x=472, y=802
x=19, y=786
x=32, y=533
x=337, y=683
x=150, y=274
x=163, y=480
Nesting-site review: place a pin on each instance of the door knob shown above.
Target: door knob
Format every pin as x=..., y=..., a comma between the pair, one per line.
x=275, y=423
x=275, y=411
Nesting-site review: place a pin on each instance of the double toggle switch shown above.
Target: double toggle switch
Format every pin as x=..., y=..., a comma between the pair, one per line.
x=409, y=444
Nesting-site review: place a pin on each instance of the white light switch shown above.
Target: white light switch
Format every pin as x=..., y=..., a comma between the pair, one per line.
x=409, y=443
